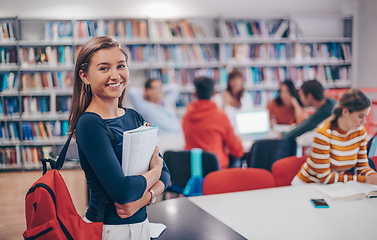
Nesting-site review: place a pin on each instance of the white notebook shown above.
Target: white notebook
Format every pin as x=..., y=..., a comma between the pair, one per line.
x=138, y=148
x=348, y=191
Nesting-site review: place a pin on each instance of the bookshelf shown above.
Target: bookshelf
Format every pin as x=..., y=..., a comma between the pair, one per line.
x=37, y=62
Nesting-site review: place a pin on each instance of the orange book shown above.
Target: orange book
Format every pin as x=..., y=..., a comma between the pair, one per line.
x=143, y=29
x=135, y=28
x=111, y=28
x=34, y=155
x=42, y=130
x=44, y=80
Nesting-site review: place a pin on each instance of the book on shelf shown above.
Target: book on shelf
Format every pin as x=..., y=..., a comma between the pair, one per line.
x=350, y=190
x=138, y=147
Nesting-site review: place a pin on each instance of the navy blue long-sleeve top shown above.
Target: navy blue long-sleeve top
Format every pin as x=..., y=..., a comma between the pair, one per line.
x=101, y=163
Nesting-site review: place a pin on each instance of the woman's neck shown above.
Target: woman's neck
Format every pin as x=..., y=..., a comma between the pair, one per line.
x=106, y=109
x=342, y=125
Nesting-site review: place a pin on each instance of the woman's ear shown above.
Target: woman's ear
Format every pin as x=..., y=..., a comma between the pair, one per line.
x=345, y=111
x=83, y=77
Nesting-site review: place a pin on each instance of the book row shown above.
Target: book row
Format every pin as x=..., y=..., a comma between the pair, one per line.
x=15, y=157
x=52, y=56
x=33, y=130
x=34, y=106
x=176, y=30
x=259, y=98
x=8, y=82
x=8, y=55
x=184, y=77
x=6, y=31
x=272, y=76
x=48, y=56
x=298, y=52
x=195, y=53
x=127, y=29
x=170, y=29
x=266, y=76
x=275, y=28
x=47, y=80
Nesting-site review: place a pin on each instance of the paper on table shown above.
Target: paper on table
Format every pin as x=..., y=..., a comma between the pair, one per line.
x=156, y=229
x=138, y=148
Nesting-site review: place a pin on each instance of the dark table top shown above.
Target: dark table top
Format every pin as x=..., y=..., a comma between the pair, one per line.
x=186, y=221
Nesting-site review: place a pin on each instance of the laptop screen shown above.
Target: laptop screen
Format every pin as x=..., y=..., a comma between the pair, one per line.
x=253, y=122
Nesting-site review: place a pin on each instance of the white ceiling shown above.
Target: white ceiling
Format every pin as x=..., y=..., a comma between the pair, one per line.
x=68, y=9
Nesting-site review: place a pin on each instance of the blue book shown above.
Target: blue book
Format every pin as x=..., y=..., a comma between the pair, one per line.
x=64, y=127
x=5, y=82
x=223, y=77
x=128, y=29
x=15, y=130
x=1, y=107
x=60, y=80
x=69, y=29
x=43, y=105
x=61, y=54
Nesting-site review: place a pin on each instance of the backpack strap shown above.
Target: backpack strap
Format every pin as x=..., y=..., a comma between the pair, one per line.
x=59, y=163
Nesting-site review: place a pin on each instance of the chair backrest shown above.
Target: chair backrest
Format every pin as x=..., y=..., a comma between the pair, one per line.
x=285, y=169
x=374, y=160
x=237, y=179
x=372, y=146
x=178, y=163
x=265, y=152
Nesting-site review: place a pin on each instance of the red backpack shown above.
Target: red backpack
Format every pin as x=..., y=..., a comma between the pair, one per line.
x=50, y=213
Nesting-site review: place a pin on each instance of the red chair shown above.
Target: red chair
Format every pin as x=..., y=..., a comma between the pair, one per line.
x=374, y=159
x=285, y=169
x=237, y=179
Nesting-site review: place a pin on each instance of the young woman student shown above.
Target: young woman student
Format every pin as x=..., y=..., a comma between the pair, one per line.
x=339, y=152
x=101, y=77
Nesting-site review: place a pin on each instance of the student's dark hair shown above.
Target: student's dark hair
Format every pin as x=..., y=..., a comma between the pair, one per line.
x=354, y=100
x=148, y=83
x=315, y=88
x=82, y=94
x=231, y=76
x=204, y=87
x=292, y=90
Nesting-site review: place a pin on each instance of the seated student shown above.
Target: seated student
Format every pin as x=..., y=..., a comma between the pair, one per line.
x=339, y=145
x=312, y=94
x=157, y=105
x=208, y=128
x=287, y=107
x=234, y=98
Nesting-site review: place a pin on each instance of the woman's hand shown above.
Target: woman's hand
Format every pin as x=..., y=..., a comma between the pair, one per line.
x=156, y=160
x=371, y=179
x=128, y=209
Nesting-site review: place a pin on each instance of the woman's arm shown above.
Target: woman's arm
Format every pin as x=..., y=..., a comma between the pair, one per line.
x=364, y=171
x=300, y=114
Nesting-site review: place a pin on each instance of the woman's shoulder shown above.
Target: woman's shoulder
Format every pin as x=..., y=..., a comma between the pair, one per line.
x=132, y=113
x=89, y=119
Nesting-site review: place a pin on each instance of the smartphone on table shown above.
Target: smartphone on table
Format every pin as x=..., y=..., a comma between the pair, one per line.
x=319, y=203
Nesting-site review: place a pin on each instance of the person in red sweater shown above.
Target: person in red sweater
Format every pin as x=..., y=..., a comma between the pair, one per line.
x=206, y=127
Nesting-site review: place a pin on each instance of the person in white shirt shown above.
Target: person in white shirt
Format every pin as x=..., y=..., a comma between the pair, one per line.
x=157, y=105
x=235, y=98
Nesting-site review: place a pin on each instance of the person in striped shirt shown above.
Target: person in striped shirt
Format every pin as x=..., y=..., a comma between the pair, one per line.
x=340, y=145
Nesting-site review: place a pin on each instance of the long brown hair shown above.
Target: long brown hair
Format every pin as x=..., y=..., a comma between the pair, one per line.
x=82, y=94
x=233, y=75
x=353, y=100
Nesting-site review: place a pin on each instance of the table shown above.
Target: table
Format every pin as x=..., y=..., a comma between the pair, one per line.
x=275, y=213
x=186, y=221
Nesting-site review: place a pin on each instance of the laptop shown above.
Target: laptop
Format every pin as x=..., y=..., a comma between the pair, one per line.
x=254, y=124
